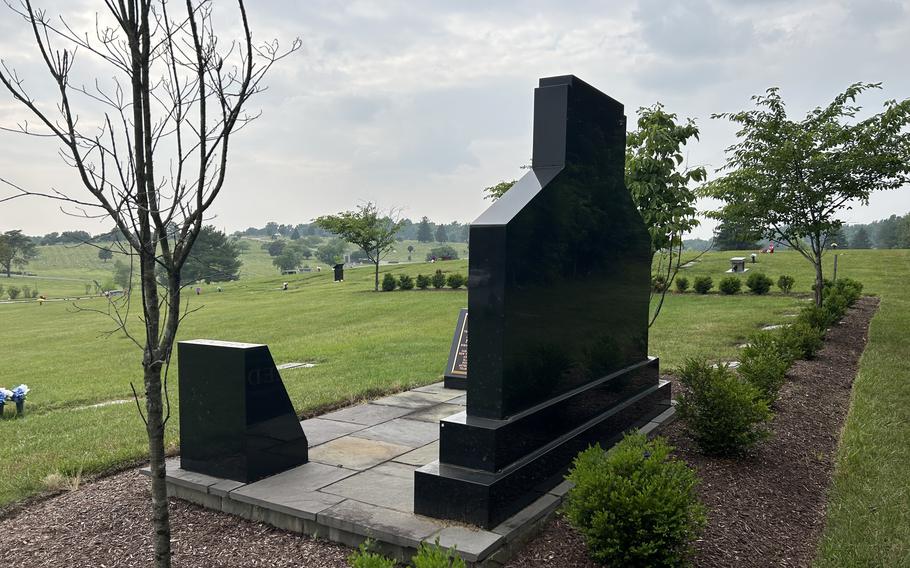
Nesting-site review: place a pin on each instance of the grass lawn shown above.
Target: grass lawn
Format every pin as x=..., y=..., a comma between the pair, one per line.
x=365, y=343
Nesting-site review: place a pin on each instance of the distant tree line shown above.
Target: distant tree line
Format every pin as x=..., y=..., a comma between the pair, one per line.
x=423, y=230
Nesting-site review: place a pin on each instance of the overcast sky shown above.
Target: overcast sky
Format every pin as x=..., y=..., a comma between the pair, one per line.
x=421, y=105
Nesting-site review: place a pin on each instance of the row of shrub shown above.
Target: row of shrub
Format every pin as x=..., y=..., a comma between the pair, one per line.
x=437, y=280
x=636, y=505
x=757, y=283
x=727, y=411
x=428, y=556
x=14, y=292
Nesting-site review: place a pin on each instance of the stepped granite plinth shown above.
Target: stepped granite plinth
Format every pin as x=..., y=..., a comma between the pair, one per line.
x=359, y=483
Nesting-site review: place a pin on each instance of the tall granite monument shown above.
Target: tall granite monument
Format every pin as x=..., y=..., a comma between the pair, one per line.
x=236, y=419
x=558, y=312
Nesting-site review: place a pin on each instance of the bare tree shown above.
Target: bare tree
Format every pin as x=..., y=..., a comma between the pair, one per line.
x=153, y=156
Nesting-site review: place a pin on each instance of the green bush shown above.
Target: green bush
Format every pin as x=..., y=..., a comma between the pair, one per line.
x=682, y=284
x=1, y=290
x=455, y=281
x=439, y=279
x=730, y=285
x=816, y=317
x=801, y=340
x=785, y=283
x=659, y=283
x=724, y=414
x=849, y=288
x=423, y=282
x=635, y=505
x=443, y=252
x=435, y=556
x=703, y=284
x=388, y=282
x=26, y=292
x=766, y=371
x=758, y=283
x=768, y=342
x=13, y=292
x=405, y=282
x=363, y=558
x=836, y=305
x=826, y=286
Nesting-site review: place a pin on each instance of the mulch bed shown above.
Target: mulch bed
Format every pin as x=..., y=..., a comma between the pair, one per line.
x=765, y=510
x=769, y=508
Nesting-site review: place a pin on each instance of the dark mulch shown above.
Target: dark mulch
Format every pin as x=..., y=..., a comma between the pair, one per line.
x=769, y=508
x=107, y=523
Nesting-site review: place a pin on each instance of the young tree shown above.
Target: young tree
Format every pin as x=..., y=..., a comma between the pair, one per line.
x=441, y=236
x=105, y=254
x=494, y=192
x=123, y=275
x=366, y=228
x=16, y=249
x=791, y=179
x=149, y=141
x=659, y=184
x=424, y=233
x=331, y=252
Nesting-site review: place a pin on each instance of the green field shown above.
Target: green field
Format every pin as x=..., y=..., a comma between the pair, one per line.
x=365, y=343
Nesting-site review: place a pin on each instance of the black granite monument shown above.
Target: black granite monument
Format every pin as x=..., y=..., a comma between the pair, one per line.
x=339, y=272
x=236, y=420
x=558, y=311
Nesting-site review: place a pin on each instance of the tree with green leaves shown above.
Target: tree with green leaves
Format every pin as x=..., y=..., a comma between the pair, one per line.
x=861, y=239
x=659, y=180
x=424, y=232
x=441, y=236
x=123, y=275
x=331, y=251
x=16, y=250
x=792, y=179
x=494, y=192
x=105, y=254
x=728, y=235
x=214, y=258
x=374, y=232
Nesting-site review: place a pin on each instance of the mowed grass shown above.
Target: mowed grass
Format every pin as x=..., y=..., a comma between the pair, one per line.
x=364, y=343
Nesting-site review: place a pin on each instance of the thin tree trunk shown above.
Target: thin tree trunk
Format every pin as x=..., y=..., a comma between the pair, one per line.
x=376, y=285
x=819, y=280
x=155, y=429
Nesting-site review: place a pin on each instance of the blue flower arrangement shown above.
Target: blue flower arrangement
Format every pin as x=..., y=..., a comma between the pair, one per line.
x=16, y=395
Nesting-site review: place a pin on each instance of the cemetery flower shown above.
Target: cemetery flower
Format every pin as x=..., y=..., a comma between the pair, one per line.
x=5, y=394
x=19, y=393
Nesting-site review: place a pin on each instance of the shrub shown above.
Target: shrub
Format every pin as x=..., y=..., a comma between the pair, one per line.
x=826, y=285
x=363, y=558
x=388, y=282
x=444, y=252
x=730, y=285
x=405, y=282
x=682, y=284
x=725, y=415
x=766, y=371
x=768, y=342
x=816, y=317
x=836, y=305
x=785, y=283
x=659, y=283
x=435, y=556
x=849, y=288
x=13, y=292
x=423, y=282
x=635, y=505
x=455, y=281
x=801, y=340
x=26, y=292
x=439, y=279
x=703, y=284
x=758, y=283
x=1, y=290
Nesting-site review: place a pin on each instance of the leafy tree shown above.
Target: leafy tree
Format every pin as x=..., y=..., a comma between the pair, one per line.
x=123, y=275
x=903, y=232
x=791, y=179
x=152, y=157
x=214, y=258
x=860, y=239
x=275, y=248
x=295, y=234
x=74, y=237
x=887, y=232
x=366, y=228
x=105, y=254
x=50, y=238
x=271, y=229
x=659, y=184
x=731, y=236
x=494, y=192
x=424, y=233
x=16, y=249
x=444, y=252
x=441, y=236
x=331, y=252
x=289, y=259
x=838, y=237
